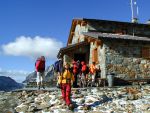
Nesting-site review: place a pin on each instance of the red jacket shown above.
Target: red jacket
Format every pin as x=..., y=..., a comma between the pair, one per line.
x=84, y=67
x=40, y=65
x=75, y=68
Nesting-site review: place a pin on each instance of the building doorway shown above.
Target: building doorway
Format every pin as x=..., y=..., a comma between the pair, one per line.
x=80, y=57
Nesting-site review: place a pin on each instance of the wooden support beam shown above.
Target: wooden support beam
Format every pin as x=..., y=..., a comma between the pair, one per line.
x=72, y=33
x=90, y=39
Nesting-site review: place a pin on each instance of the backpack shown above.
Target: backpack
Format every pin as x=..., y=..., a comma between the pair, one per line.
x=40, y=65
x=92, y=69
x=75, y=68
x=58, y=66
x=84, y=67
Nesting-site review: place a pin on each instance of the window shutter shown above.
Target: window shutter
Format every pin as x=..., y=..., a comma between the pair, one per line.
x=95, y=55
x=146, y=52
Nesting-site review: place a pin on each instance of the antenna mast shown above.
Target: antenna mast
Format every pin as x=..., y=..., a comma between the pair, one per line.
x=134, y=11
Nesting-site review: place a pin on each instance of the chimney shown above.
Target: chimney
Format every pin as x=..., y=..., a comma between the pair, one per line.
x=135, y=20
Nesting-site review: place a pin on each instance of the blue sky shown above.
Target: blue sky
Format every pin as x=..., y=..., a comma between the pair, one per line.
x=44, y=19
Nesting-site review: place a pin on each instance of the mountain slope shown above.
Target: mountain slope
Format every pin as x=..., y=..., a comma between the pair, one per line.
x=49, y=74
x=17, y=75
x=8, y=84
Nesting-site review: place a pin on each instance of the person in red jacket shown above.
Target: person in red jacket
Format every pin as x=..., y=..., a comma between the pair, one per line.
x=66, y=81
x=75, y=73
x=40, y=69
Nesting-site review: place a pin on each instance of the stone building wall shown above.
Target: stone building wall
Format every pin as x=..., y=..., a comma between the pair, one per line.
x=102, y=59
x=124, y=58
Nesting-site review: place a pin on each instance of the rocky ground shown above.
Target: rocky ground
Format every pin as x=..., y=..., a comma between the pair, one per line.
x=92, y=100
x=8, y=101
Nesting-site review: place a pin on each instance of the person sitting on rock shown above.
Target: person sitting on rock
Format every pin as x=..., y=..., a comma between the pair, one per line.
x=66, y=81
x=40, y=70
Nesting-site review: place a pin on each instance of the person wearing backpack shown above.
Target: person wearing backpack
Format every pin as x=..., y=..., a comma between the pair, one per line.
x=75, y=71
x=40, y=70
x=66, y=81
x=93, y=73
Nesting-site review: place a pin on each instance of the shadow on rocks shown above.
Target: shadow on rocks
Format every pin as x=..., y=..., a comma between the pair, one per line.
x=104, y=99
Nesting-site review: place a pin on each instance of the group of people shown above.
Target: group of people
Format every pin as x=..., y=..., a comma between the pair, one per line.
x=76, y=74
x=84, y=74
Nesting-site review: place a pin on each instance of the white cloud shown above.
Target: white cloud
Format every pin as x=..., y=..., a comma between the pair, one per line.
x=17, y=75
x=33, y=47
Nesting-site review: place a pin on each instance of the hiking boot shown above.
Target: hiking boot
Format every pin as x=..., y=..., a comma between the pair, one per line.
x=43, y=87
x=63, y=103
x=70, y=107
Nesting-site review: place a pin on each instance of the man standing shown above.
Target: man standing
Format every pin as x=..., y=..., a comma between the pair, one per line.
x=93, y=72
x=75, y=73
x=83, y=73
x=40, y=69
x=66, y=80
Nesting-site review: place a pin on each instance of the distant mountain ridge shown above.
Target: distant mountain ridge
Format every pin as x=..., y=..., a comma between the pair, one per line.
x=8, y=84
x=49, y=74
x=17, y=75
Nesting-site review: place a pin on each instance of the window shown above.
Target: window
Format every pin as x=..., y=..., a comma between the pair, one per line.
x=146, y=52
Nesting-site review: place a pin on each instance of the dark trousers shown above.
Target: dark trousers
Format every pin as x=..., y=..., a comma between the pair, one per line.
x=75, y=80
